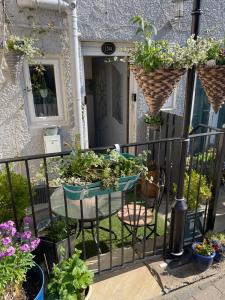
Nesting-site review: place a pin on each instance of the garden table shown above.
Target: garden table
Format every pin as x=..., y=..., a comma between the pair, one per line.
x=89, y=218
x=89, y=206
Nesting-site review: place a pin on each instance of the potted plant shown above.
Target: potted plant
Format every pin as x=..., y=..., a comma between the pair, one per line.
x=217, y=240
x=149, y=186
x=203, y=254
x=21, y=195
x=87, y=174
x=196, y=196
x=211, y=69
x=153, y=122
x=70, y=279
x=55, y=237
x=156, y=65
x=17, y=264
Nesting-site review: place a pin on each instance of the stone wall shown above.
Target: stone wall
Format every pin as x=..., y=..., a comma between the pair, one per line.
x=99, y=20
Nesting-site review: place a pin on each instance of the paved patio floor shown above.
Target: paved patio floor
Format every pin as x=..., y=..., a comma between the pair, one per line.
x=207, y=289
x=136, y=283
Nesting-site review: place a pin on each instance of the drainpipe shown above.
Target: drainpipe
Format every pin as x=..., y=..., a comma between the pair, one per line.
x=70, y=7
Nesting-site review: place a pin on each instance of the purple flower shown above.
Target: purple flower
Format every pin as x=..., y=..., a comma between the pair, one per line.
x=13, y=231
x=26, y=235
x=2, y=254
x=25, y=248
x=10, y=223
x=6, y=241
x=27, y=220
x=10, y=251
x=34, y=244
x=4, y=226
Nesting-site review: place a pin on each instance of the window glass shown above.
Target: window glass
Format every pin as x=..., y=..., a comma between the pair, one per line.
x=44, y=90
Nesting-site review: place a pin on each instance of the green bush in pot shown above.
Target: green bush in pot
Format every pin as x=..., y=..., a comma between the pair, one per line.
x=192, y=192
x=70, y=279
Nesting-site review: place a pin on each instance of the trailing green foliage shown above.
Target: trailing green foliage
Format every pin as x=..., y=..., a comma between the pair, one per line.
x=20, y=192
x=70, y=279
x=152, y=54
x=81, y=168
x=152, y=119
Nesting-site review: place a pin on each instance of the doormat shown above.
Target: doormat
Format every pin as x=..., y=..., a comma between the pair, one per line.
x=175, y=278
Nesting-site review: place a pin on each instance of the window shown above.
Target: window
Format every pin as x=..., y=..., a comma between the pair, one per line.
x=44, y=91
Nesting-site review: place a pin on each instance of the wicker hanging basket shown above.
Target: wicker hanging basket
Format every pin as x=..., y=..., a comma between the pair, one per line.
x=157, y=86
x=14, y=61
x=213, y=81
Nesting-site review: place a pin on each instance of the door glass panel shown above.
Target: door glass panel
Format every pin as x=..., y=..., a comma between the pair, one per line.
x=44, y=91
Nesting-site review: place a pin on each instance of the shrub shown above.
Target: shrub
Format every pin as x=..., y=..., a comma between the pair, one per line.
x=70, y=279
x=21, y=194
x=192, y=192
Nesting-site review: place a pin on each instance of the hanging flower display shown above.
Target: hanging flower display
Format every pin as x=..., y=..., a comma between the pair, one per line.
x=211, y=70
x=158, y=67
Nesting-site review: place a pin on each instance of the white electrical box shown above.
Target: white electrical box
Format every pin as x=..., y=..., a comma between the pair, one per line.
x=52, y=143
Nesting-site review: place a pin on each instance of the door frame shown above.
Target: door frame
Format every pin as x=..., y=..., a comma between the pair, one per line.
x=93, y=49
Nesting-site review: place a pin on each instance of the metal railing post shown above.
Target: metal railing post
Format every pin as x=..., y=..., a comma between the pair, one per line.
x=179, y=207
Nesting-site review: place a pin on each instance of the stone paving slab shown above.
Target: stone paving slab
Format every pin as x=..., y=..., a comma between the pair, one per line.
x=212, y=288
x=130, y=284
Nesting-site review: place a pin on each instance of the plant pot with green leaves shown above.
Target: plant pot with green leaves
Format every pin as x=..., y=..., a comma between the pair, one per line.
x=158, y=66
x=197, y=197
x=203, y=255
x=211, y=68
x=153, y=122
x=87, y=174
x=21, y=278
x=149, y=185
x=70, y=279
x=55, y=237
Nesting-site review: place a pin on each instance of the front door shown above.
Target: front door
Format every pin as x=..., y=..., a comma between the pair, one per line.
x=110, y=98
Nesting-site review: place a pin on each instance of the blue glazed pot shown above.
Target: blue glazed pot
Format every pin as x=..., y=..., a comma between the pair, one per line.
x=34, y=284
x=202, y=263
x=40, y=295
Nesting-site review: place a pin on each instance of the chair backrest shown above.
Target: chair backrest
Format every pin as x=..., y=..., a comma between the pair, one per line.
x=161, y=185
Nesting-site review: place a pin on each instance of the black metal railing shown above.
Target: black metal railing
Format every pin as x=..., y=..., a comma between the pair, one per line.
x=121, y=228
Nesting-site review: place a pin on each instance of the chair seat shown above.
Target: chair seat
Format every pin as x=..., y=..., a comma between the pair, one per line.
x=135, y=215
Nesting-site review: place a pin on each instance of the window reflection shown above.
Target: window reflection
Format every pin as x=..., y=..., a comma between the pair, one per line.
x=44, y=90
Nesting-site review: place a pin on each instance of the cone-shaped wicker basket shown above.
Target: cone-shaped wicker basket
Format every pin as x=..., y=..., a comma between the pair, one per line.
x=157, y=86
x=14, y=61
x=213, y=81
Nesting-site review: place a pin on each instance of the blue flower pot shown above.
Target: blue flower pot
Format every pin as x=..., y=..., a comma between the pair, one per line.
x=34, y=285
x=202, y=263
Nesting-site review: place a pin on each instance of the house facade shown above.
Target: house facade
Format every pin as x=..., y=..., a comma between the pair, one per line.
x=112, y=106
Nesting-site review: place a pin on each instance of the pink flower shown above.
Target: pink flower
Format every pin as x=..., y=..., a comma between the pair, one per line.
x=34, y=244
x=25, y=248
x=10, y=251
x=6, y=241
x=26, y=235
x=27, y=220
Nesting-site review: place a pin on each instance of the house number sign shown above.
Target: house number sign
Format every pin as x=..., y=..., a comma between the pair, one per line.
x=108, y=48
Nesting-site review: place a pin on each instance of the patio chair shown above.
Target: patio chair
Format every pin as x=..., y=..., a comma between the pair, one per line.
x=136, y=216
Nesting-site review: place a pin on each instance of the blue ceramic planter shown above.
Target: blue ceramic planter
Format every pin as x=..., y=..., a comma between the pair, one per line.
x=76, y=192
x=35, y=278
x=202, y=263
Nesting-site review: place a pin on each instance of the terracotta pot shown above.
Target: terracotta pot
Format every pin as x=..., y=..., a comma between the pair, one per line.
x=150, y=189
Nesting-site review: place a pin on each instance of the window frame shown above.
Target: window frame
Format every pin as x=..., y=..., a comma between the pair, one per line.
x=43, y=121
